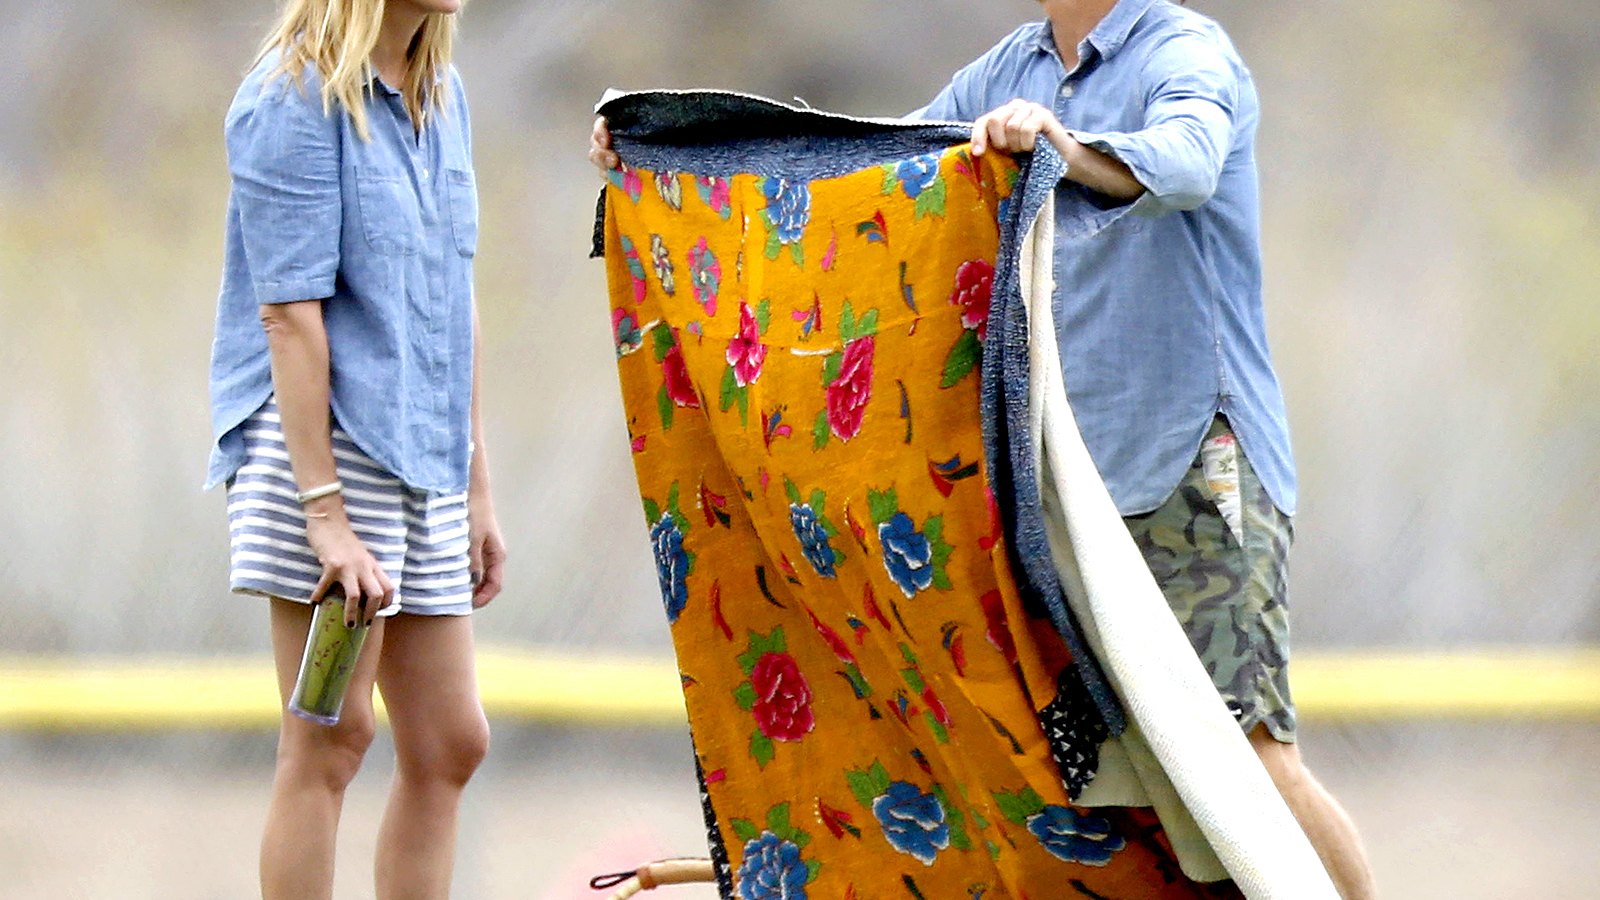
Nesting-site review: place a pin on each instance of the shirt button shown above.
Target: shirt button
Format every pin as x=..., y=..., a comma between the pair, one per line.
x=425, y=174
x=1066, y=90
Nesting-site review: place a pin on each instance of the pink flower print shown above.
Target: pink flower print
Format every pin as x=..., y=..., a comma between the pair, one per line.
x=851, y=389
x=746, y=353
x=974, y=287
x=625, y=329
x=705, y=276
x=628, y=180
x=717, y=193
x=680, y=389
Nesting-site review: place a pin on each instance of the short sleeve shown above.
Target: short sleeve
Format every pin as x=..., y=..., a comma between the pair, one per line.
x=283, y=155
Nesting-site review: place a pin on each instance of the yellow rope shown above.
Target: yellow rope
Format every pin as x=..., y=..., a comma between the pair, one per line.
x=61, y=694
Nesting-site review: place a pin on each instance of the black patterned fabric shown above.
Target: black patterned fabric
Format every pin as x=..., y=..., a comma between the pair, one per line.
x=1073, y=724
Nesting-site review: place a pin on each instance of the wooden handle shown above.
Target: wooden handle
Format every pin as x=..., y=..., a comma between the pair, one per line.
x=671, y=871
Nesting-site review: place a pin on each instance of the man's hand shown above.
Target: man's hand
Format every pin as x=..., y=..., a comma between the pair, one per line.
x=1016, y=127
x=600, y=153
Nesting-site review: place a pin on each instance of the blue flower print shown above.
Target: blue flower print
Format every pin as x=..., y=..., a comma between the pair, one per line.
x=1075, y=837
x=813, y=538
x=906, y=554
x=913, y=821
x=672, y=564
x=917, y=174
x=788, y=207
x=772, y=870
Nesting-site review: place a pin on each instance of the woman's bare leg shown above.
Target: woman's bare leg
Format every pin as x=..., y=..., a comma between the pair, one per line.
x=430, y=687
x=315, y=765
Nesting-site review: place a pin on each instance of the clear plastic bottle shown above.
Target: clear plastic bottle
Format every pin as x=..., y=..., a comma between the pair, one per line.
x=332, y=649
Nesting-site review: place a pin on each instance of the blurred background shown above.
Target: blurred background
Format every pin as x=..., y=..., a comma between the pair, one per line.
x=1431, y=181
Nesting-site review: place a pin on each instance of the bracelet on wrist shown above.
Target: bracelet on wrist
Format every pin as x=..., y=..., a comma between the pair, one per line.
x=317, y=493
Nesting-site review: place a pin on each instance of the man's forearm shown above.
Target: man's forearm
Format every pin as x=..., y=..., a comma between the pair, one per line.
x=1094, y=170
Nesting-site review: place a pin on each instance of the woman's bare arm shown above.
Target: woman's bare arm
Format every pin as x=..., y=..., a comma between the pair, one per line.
x=487, y=549
x=298, y=341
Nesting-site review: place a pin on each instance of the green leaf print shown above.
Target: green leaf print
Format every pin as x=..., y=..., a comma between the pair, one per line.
x=745, y=696
x=1018, y=808
x=761, y=748
x=931, y=201
x=778, y=821
x=821, y=432
x=744, y=829
x=665, y=407
x=661, y=342
x=963, y=358
x=730, y=388
x=883, y=505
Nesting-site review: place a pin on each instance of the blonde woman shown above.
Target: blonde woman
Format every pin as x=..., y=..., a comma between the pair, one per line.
x=345, y=409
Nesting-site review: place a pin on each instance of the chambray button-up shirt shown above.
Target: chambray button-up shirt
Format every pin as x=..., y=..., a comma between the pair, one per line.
x=384, y=232
x=1158, y=302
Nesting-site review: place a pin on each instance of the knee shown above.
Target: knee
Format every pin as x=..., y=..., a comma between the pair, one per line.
x=327, y=756
x=451, y=755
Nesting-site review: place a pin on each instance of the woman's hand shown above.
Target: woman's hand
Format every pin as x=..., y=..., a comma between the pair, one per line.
x=348, y=563
x=486, y=550
x=600, y=153
x=1015, y=127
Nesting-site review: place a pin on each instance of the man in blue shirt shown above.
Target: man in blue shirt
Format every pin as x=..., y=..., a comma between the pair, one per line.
x=1159, y=317
x=1158, y=311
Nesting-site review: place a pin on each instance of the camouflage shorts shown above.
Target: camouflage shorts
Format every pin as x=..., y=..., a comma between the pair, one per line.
x=1219, y=549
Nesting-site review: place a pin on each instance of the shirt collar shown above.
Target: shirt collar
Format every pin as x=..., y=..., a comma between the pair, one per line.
x=379, y=86
x=1112, y=32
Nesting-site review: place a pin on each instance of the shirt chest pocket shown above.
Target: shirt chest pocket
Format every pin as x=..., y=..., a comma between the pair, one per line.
x=391, y=221
x=462, y=195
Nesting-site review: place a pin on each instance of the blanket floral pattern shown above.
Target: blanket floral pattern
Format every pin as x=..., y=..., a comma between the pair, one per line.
x=864, y=685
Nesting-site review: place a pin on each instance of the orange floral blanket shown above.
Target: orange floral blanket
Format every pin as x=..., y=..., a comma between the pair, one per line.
x=875, y=712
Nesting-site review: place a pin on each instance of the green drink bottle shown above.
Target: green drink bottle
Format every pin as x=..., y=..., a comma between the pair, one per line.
x=332, y=649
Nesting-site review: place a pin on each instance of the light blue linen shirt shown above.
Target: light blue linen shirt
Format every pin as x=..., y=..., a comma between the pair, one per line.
x=384, y=231
x=1158, y=302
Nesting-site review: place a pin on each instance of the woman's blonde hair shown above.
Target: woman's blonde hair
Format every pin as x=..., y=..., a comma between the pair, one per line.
x=338, y=37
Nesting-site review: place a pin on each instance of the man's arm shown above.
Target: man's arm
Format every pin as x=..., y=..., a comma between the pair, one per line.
x=1016, y=126
x=1176, y=158
x=1191, y=118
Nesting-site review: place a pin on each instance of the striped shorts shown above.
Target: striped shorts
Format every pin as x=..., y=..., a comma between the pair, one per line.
x=419, y=538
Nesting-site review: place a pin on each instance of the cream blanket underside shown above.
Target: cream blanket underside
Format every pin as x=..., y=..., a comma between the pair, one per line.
x=1182, y=753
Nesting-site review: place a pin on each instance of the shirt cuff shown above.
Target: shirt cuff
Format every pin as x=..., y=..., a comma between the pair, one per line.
x=1121, y=147
x=270, y=292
